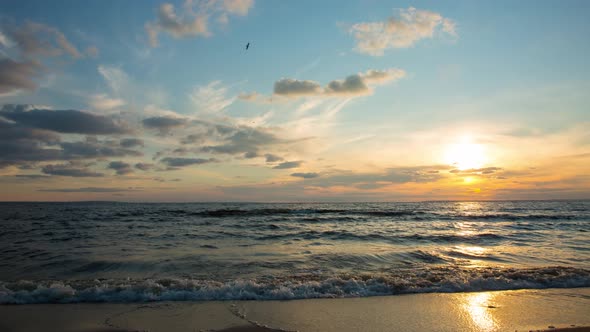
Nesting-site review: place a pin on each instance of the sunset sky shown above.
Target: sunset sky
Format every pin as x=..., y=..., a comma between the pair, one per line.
x=332, y=101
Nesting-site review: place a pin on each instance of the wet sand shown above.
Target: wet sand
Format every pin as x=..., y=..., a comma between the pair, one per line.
x=526, y=310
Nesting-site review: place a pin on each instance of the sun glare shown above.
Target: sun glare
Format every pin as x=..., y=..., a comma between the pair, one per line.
x=465, y=154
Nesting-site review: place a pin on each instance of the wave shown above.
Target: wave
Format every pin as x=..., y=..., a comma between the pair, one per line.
x=292, y=287
x=344, y=214
x=346, y=235
x=509, y=216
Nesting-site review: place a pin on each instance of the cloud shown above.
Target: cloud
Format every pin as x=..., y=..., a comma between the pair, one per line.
x=122, y=168
x=22, y=145
x=63, y=121
x=89, y=190
x=353, y=85
x=244, y=140
x=71, y=169
x=164, y=123
x=32, y=176
x=104, y=103
x=194, y=22
x=393, y=175
x=250, y=155
x=13, y=131
x=271, y=158
x=131, y=142
x=477, y=171
x=178, y=27
x=144, y=166
x=305, y=175
x=115, y=77
x=296, y=88
x=210, y=98
x=18, y=75
x=181, y=162
x=238, y=7
x=253, y=97
x=288, y=164
x=403, y=31
x=92, y=148
x=36, y=39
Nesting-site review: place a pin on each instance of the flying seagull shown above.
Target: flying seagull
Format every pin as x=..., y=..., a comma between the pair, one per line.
x=248, y=45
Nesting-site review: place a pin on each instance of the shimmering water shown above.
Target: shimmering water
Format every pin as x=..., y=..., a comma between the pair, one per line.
x=71, y=252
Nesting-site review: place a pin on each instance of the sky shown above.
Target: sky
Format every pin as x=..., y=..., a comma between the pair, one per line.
x=286, y=101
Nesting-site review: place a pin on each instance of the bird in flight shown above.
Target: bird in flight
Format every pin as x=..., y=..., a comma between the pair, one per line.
x=248, y=45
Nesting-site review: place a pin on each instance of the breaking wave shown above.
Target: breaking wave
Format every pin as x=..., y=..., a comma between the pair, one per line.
x=446, y=280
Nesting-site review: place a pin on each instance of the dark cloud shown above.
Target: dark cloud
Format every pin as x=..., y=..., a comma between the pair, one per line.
x=144, y=166
x=90, y=190
x=63, y=121
x=164, y=123
x=131, y=142
x=207, y=131
x=305, y=175
x=353, y=85
x=181, y=162
x=23, y=146
x=32, y=176
x=94, y=149
x=288, y=164
x=193, y=138
x=20, y=145
x=18, y=75
x=244, y=140
x=120, y=167
x=271, y=158
x=250, y=155
x=181, y=151
x=70, y=170
x=293, y=87
x=12, y=131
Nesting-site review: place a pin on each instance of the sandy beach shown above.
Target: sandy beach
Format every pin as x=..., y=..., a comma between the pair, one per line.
x=522, y=310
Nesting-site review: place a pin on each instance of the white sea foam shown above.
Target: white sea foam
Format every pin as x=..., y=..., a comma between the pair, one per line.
x=300, y=287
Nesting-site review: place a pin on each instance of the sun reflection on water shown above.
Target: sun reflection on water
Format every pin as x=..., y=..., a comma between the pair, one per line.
x=479, y=309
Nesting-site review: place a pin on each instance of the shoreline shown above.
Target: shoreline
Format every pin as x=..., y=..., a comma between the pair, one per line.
x=564, y=309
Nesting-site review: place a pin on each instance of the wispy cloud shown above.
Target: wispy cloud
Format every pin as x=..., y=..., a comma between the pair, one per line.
x=211, y=98
x=103, y=103
x=90, y=190
x=36, y=39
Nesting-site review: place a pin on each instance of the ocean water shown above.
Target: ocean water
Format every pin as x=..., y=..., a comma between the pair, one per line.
x=130, y=252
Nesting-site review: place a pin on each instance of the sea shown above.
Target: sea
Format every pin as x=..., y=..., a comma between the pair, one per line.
x=136, y=252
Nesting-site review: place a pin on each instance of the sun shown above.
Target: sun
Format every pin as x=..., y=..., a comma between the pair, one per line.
x=465, y=154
